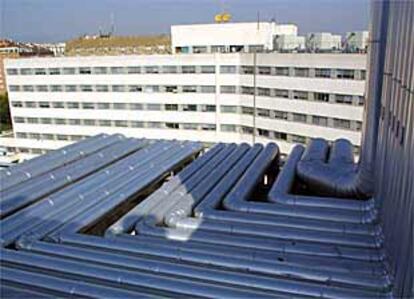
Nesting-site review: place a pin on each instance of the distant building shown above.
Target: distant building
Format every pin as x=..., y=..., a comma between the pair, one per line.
x=58, y=49
x=227, y=37
x=118, y=45
x=323, y=42
x=288, y=43
x=356, y=41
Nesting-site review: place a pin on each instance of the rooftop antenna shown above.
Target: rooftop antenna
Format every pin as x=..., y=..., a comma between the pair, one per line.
x=258, y=20
x=112, y=24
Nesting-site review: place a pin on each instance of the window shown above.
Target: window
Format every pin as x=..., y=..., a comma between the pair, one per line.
x=247, y=130
x=247, y=90
x=358, y=125
x=256, y=48
x=88, y=106
x=137, y=124
x=41, y=88
x=17, y=104
x=282, y=71
x=134, y=70
x=14, y=88
x=69, y=71
x=227, y=89
x=343, y=99
x=121, y=123
x=134, y=88
x=190, y=126
x=228, y=109
x=19, y=120
x=189, y=107
x=56, y=88
x=263, y=112
x=188, y=69
x=104, y=106
x=120, y=106
x=154, y=107
x=34, y=135
x=263, y=132
x=169, y=69
x=320, y=120
x=116, y=70
x=46, y=121
x=100, y=70
x=247, y=110
x=151, y=70
x=345, y=74
x=264, y=70
x=363, y=74
x=28, y=88
x=74, y=122
x=47, y=136
x=89, y=122
x=342, y=123
x=11, y=72
x=102, y=88
x=154, y=125
x=208, y=89
x=21, y=135
x=104, y=123
x=208, y=127
x=62, y=137
x=54, y=71
x=189, y=88
x=172, y=125
x=227, y=69
x=322, y=73
x=301, y=72
x=85, y=70
x=152, y=88
x=360, y=100
x=72, y=105
x=298, y=139
x=246, y=70
x=281, y=93
x=218, y=49
x=321, y=97
x=40, y=71
x=26, y=72
x=208, y=69
x=228, y=128
x=60, y=121
x=208, y=108
x=263, y=91
x=58, y=105
x=171, y=107
x=298, y=117
x=86, y=88
x=44, y=105
x=118, y=88
x=135, y=106
x=281, y=115
x=70, y=88
x=30, y=104
x=300, y=95
x=33, y=120
x=171, y=88
x=199, y=49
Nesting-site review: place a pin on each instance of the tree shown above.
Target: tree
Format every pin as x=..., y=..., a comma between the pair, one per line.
x=5, y=120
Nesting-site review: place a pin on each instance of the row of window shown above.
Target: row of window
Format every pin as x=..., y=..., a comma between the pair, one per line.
x=224, y=89
x=351, y=74
x=245, y=110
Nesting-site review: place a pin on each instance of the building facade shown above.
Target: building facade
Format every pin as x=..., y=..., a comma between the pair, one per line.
x=206, y=97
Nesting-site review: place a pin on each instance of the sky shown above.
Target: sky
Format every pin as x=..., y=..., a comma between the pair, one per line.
x=60, y=20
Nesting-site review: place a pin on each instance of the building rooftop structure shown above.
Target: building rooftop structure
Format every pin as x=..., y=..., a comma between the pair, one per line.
x=122, y=217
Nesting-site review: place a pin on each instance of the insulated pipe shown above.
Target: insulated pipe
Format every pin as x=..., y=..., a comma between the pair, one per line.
x=251, y=279
x=70, y=287
x=129, y=278
x=32, y=216
x=136, y=184
x=126, y=223
x=282, y=187
x=147, y=171
x=52, y=160
x=15, y=199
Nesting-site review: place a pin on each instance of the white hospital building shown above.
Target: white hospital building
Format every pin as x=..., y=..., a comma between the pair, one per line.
x=204, y=91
